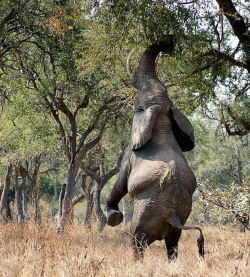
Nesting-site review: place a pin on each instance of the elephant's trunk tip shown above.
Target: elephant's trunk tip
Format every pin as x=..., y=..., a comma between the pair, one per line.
x=164, y=45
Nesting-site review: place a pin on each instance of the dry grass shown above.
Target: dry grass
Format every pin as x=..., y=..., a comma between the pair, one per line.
x=28, y=251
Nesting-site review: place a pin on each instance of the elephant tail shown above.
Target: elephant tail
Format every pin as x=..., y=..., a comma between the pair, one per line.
x=200, y=240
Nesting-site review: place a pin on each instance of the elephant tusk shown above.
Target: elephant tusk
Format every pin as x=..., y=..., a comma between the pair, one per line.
x=130, y=73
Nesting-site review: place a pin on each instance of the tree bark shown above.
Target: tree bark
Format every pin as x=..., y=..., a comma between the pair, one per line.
x=238, y=25
x=86, y=186
x=78, y=198
x=206, y=208
x=61, y=196
x=35, y=201
x=101, y=219
x=66, y=208
x=124, y=212
x=101, y=180
x=89, y=210
x=4, y=207
x=52, y=210
x=18, y=196
x=25, y=204
x=33, y=179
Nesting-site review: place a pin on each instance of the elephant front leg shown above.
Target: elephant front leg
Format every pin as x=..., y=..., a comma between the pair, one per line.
x=114, y=216
x=172, y=244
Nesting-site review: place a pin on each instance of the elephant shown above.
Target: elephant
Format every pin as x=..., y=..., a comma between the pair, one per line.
x=154, y=171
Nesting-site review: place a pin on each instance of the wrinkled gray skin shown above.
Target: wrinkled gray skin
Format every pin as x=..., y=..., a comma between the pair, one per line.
x=154, y=170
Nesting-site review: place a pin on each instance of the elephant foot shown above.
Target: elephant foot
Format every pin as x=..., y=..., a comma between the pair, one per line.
x=114, y=218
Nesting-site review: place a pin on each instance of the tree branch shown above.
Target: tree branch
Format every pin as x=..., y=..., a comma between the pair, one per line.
x=83, y=105
x=62, y=131
x=92, y=173
x=92, y=126
x=232, y=133
x=240, y=120
x=238, y=25
x=48, y=170
x=77, y=198
x=230, y=59
x=114, y=170
x=12, y=14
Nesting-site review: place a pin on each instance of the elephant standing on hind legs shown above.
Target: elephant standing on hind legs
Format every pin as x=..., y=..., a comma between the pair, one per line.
x=154, y=171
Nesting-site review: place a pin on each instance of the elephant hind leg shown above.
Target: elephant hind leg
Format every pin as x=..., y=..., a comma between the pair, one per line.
x=172, y=244
x=139, y=244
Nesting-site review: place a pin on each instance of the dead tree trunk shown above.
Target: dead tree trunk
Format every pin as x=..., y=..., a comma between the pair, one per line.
x=4, y=207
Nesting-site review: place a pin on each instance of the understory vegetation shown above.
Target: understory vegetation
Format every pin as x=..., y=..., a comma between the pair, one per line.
x=30, y=251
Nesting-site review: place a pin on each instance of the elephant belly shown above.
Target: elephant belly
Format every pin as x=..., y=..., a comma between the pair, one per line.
x=149, y=173
x=161, y=192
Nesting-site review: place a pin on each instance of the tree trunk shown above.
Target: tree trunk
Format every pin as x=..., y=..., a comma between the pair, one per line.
x=66, y=210
x=240, y=174
x=25, y=204
x=124, y=211
x=101, y=180
x=35, y=200
x=89, y=210
x=4, y=207
x=34, y=181
x=18, y=196
x=61, y=196
x=52, y=210
x=89, y=199
x=1, y=191
x=206, y=214
x=101, y=219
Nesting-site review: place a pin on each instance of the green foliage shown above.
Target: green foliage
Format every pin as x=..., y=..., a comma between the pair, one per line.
x=216, y=158
x=209, y=64
x=227, y=203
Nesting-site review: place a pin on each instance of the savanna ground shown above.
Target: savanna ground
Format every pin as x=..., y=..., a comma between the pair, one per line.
x=31, y=251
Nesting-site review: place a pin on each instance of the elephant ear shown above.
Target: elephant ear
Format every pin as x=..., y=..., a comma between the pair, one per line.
x=183, y=130
x=143, y=124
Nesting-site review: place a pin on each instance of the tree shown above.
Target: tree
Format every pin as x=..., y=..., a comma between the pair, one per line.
x=101, y=180
x=52, y=211
x=19, y=189
x=5, y=213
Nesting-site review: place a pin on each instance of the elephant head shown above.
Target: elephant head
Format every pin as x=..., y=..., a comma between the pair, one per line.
x=152, y=99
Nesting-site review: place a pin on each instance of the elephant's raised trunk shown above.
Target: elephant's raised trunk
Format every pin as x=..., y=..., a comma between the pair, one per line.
x=146, y=67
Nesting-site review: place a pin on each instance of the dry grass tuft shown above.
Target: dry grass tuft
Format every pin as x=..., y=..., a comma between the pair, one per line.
x=29, y=251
